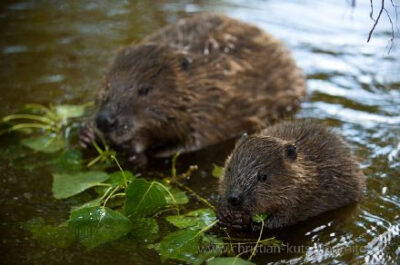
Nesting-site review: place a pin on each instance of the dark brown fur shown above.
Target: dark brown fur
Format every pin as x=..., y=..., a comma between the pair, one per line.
x=290, y=171
x=195, y=83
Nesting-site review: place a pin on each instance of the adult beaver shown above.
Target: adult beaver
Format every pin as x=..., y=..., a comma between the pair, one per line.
x=290, y=171
x=195, y=83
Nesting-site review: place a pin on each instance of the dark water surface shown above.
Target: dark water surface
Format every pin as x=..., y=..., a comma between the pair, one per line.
x=55, y=52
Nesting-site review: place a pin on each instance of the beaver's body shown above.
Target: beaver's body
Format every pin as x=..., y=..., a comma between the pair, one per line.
x=195, y=83
x=290, y=171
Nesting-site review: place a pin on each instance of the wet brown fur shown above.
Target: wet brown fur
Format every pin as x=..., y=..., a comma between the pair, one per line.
x=323, y=176
x=211, y=78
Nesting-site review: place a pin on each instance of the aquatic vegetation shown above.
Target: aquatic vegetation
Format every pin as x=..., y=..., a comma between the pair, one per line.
x=54, y=124
x=122, y=204
x=217, y=171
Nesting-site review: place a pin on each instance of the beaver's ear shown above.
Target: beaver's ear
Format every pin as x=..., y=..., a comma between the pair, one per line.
x=291, y=152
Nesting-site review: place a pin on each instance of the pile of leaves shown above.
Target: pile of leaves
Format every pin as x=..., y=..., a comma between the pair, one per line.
x=123, y=204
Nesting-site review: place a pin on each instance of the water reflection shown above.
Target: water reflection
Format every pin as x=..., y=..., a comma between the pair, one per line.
x=53, y=51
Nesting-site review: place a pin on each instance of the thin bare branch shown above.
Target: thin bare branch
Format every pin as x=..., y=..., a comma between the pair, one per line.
x=376, y=21
x=391, y=23
x=371, y=14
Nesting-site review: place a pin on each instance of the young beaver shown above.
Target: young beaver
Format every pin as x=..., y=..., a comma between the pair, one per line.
x=290, y=172
x=195, y=83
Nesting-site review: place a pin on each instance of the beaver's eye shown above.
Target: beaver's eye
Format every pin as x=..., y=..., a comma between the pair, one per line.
x=262, y=177
x=144, y=90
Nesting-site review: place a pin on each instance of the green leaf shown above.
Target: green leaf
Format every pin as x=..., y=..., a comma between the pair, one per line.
x=143, y=198
x=67, y=185
x=44, y=143
x=182, y=245
x=145, y=230
x=229, y=261
x=190, y=246
x=179, y=196
x=92, y=203
x=197, y=219
x=70, y=111
x=258, y=218
x=97, y=225
x=60, y=236
x=117, y=178
x=68, y=160
x=217, y=171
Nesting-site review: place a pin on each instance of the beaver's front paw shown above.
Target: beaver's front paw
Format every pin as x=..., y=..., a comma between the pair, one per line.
x=86, y=136
x=238, y=220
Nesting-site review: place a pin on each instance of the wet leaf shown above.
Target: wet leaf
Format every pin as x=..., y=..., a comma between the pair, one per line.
x=229, y=261
x=44, y=143
x=179, y=196
x=197, y=219
x=182, y=245
x=217, y=171
x=116, y=178
x=69, y=160
x=70, y=111
x=97, y=225
x=92, y=203
x=68, y=184
x=191, y=246
x=60, y=236
x=143, y=198
x=145, y=229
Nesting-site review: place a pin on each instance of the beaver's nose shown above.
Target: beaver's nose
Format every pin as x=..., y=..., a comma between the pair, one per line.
x=105, y=121
x=234, y=200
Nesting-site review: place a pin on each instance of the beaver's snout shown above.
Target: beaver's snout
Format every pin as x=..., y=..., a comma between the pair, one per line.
x=235, y=200
x=105, y=122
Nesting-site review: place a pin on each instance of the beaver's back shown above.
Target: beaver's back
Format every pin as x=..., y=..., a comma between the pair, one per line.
x=237, y=56
x=205, y=33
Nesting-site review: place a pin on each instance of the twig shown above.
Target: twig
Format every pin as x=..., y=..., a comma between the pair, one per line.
x=371, y=14
x=391, y=23
x=203, y=200
x=376, y=21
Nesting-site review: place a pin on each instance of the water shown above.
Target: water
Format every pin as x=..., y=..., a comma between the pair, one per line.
x=55, y=52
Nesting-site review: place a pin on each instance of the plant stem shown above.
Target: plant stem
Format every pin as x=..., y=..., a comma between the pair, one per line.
x=98, y=149
x=29, y=125
x=122, y=171
x=173, y=165
x=27, y=117
x=258, y=241
x=203, y=200
x=103, y=184
x=169, y=194
x=165, y=188
x=46, y=110
x=121, y=194
x=105, y=193
x=94, y=161
x=110, y=195
x=208, y=227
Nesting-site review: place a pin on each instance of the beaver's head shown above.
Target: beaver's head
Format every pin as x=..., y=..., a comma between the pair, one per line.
x=141, y=99
x=259, y=178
